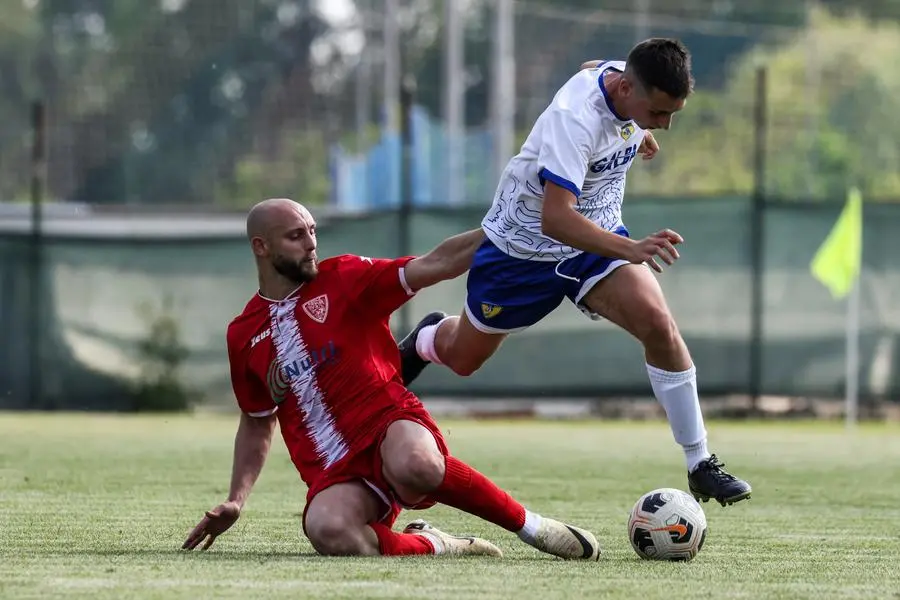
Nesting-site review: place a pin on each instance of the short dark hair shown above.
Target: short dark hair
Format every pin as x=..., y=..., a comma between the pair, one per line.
x=664, y=64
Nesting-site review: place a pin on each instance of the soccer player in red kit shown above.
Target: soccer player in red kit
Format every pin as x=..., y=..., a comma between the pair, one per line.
x=313, y=351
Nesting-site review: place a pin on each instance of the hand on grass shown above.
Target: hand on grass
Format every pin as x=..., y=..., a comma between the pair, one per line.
x=216, y=522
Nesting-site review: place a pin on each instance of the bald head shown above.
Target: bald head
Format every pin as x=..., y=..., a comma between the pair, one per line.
x=282, y=234
x=269, y=214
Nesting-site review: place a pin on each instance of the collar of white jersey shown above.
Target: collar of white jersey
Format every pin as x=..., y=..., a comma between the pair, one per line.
x=609, y=103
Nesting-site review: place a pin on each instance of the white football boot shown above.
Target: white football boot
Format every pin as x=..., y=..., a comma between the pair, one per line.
x=566, y=541
x=454, y=545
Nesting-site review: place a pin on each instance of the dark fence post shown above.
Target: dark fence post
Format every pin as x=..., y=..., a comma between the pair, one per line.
x=407, y=98
x=757, y=239
x=36, y=267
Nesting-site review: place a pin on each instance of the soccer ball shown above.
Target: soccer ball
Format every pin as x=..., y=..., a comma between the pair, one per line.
x=667, y=524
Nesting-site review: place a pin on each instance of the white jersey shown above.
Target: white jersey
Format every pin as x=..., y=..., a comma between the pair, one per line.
x=579, y=143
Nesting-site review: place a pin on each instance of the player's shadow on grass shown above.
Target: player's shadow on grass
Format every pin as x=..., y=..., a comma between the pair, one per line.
x=243, y=556
x=307, y=557
x=263, y=556
x=212, y=554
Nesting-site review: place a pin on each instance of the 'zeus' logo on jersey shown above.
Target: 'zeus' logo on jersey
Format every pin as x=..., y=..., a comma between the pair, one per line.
x=260, y=337
x=617, y=159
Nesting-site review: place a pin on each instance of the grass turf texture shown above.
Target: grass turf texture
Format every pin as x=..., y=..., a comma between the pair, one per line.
x=98, y=506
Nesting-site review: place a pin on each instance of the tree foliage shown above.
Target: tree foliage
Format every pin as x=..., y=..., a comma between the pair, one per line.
x=156, y=102
x=829, y=105
x=218, y=101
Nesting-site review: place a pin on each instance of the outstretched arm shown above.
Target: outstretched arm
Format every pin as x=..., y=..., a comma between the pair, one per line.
x=560, y=221
x=449, y=259
x=251, y=446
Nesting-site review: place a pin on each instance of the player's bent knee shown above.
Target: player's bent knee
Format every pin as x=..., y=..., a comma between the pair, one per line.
x=462, y=362
x=659, y=327
x=421, y=470
x=336, y=536
x=466, y=366
x=468, y=359
x=468, y=348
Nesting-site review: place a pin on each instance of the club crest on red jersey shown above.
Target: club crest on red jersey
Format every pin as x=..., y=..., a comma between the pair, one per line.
x=317, y=308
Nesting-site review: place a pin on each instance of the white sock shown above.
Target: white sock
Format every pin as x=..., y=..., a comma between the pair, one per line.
x=677, y=392
x=437, y=543
x=694, y=453
x=425, y=342
x=530, y=529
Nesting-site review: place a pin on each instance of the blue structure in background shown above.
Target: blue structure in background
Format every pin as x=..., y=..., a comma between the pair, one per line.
x=371, y=181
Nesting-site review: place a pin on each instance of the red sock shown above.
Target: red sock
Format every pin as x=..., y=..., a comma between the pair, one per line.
x=467, y=489
x=391, y=543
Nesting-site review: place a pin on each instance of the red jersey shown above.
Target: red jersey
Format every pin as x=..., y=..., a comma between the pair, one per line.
x=324, y=358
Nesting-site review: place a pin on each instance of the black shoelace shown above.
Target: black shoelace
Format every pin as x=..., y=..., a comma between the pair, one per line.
x=717, y=469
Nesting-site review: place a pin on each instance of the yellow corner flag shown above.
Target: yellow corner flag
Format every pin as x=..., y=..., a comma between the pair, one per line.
x=838, y=261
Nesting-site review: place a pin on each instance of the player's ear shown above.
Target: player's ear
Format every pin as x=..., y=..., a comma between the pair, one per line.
x=626, y=86
x=259, y=246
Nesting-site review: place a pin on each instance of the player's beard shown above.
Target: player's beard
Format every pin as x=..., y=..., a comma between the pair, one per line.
x=298, y=271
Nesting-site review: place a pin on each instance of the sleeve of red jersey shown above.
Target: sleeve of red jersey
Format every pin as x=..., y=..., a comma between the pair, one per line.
x=250, y=393
x=378, y=283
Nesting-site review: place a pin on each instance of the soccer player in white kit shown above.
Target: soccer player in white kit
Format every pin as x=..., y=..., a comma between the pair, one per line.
x=555, y=231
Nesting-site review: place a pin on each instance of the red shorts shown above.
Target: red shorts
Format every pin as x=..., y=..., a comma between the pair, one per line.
x=365, y=465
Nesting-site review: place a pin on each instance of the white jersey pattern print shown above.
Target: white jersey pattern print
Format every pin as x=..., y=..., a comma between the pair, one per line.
x=578, y=143
x=293, y=361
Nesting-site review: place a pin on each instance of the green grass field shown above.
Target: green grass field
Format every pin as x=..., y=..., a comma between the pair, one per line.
x=98, y=506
